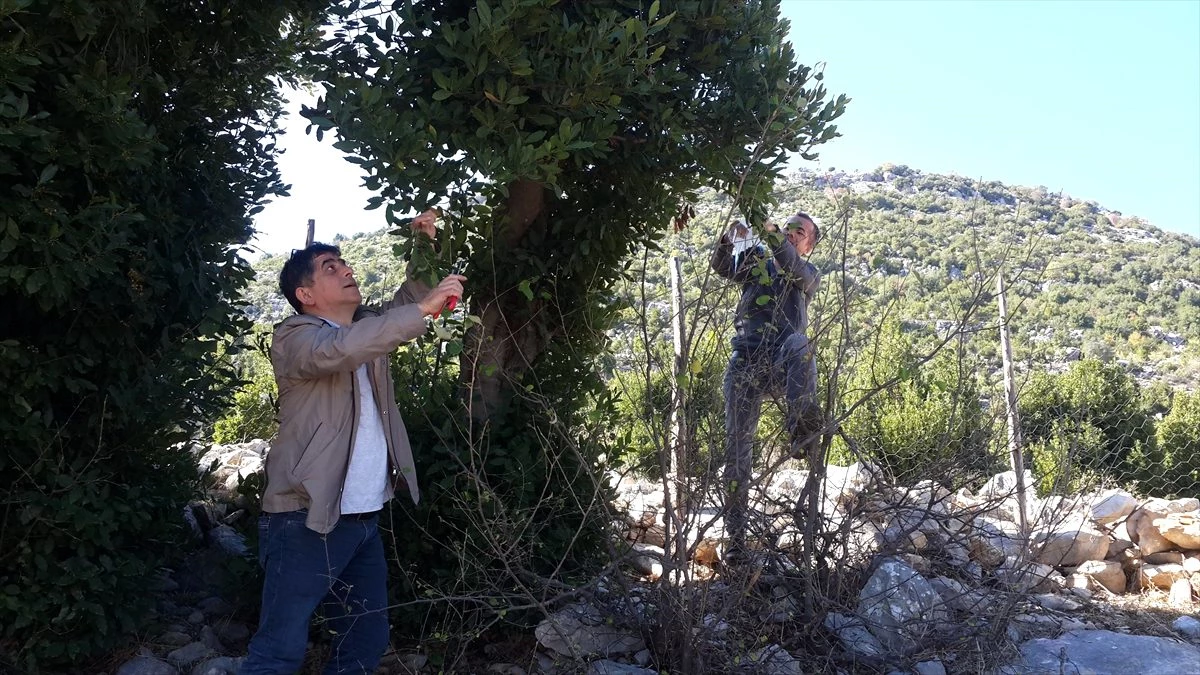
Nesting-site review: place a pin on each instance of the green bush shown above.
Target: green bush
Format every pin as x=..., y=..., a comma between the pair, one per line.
x=1179, y=445
x=254, y=409
x=1089, y=421
x=136, y=141
x=918, y=420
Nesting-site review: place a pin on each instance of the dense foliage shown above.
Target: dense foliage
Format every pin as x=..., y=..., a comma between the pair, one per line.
x=135, y=145
x=913, y=254
x=562, y=137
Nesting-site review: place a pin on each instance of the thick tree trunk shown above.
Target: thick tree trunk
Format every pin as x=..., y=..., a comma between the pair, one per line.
x=512, y=332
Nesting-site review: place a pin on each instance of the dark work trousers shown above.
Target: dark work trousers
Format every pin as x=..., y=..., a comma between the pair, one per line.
x=790, y=371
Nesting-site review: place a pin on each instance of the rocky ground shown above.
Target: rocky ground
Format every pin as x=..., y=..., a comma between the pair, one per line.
x=1104, y=583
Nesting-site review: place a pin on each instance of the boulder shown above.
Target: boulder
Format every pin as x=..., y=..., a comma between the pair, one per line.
x=1106, y=573
x=580, y=630
x=1164, y=558
x=1181, y=529
x=991, y=540
x=844, y=483
x=900, y=607
x=1024, y=577
x=647, y=559
x=1162, y=576
x=929, y=668
x=1112, y=505
x=1180, y=594
x=1102, y=652
x=1069, y=544
x=958, y=597
x=189, y=654
x=1141, y=528
x=774, y=660
x=222, y=665
x=1005, y=484
x=1187, y=625
x=854, y=636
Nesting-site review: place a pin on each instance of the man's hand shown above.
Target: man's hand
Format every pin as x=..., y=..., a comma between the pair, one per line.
x=451, y=286
x=426, y=223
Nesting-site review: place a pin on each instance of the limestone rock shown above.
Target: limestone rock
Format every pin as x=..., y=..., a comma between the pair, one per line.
x=1112, y=505
x=1005, y=484
x=929, y=668
x=1162, y=576
x=1181, y=594
x=579, y=630
x=1069, y=544
x=1024, y=577
x=173, y=638
x=900, y=607
x=854, y=636
x=1164, y=558
x=1142, y=530
x=1187, y=625
x=774, y=660
x=1106, y=573
x=1181, y=529
x=647, y=559
x=222, y=665
x=1105, y=652
x=146, y=665
x=189, y=654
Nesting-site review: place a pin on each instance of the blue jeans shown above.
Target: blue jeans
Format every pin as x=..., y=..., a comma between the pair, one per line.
x=345, y=571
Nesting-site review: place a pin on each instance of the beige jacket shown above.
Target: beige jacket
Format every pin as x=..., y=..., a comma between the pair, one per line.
x=314, y=366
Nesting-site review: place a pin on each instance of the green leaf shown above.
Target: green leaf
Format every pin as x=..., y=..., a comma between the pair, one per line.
x=525, y=289
x=47, y=174
x=762, y=300
x=485, y=13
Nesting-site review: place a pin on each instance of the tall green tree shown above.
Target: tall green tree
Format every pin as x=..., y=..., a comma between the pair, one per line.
x=1179, y=445
x=583, y=128
x=136, y=142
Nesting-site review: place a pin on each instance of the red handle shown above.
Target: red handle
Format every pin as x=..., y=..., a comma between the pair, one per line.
x=448, y=307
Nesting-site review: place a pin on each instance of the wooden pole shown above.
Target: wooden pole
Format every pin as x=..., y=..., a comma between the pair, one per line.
x=679, y=430
x=312, y=229
x=1010, y=393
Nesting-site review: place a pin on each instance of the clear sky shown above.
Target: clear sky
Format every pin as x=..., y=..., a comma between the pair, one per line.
x=1098, y=99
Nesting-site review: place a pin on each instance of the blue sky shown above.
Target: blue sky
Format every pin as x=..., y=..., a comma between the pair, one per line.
x=1098, y=99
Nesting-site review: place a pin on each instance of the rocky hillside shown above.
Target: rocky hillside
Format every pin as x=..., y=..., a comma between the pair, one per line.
x=1085, y=280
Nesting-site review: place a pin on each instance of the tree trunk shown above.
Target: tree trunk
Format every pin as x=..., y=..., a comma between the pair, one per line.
x=512, y=332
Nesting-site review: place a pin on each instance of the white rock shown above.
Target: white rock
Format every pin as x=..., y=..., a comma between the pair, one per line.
x=1056, y=603
x=222, y=665
x=1141, y=528
x=1181, y=593
x=1162, y=576
x=1005, y=484
x=189, y=654
x=579, y=630
x=1112, y=505
x=1107, y=573
x=647, y=559
x=1024, y=577
x=1069, y=544
x=775, y=660
x=1188, y=625
x=854, y=636
x=929, y=668
x=1106, y=652
x=900, y=607
x=1181, y=529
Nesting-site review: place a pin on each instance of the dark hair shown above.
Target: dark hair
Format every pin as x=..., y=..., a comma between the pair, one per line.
x=816, y=228
x=298, y=271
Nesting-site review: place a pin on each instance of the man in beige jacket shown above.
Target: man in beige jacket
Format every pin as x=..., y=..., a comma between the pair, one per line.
x=341, y=453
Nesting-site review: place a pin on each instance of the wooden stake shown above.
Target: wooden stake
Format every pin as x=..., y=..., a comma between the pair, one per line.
x=1010, y=390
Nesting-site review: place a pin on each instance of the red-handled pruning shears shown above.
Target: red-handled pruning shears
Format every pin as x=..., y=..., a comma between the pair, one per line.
x=457, y=268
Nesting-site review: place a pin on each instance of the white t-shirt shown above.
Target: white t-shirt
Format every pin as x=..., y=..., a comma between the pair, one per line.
x=365, y=489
